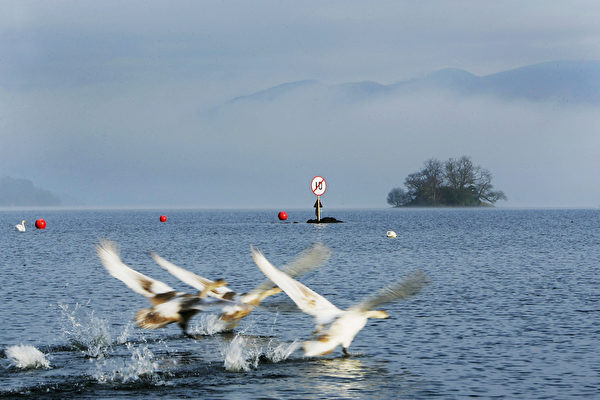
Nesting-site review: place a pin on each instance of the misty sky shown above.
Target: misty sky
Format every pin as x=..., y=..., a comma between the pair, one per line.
x=117, y=103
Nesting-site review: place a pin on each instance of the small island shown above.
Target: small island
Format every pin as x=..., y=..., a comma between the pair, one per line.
x=454, y=183
x=325, y=220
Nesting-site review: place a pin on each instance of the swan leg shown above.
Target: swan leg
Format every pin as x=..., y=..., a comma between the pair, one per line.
x=346, y=354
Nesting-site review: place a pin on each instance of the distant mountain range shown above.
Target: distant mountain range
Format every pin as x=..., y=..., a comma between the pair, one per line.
x=576, y=82
x=22, y=193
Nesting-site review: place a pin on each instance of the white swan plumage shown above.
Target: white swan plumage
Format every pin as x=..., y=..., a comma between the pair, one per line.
x=391, y=234
x=335, y=326
x=244, y=303
x=168, y=305
x=20, y=227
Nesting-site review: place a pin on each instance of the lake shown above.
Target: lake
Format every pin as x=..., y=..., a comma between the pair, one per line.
x=512, y=308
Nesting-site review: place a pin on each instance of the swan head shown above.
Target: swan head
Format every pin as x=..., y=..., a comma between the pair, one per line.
x=377, y=314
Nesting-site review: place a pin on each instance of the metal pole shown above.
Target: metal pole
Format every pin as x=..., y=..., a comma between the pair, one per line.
x=318, y=208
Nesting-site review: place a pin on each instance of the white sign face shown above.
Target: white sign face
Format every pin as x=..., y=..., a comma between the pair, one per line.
x=318, y=185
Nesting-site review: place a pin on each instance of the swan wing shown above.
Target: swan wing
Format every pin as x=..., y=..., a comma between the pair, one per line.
x=306, y=299
x=310, y=259
x=195, y=281
x=402, y=289
x=138, y=282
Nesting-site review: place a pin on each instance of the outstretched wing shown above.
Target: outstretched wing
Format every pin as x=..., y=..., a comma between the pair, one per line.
x=307, y=300
x=402, y=289
x=138, y=282
x=310, y=259
x=193, y=280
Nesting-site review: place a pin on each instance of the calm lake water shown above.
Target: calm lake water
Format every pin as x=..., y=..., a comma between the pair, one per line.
x=512, y=309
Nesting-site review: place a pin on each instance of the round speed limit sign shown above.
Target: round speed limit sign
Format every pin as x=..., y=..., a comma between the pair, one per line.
x=318, y=185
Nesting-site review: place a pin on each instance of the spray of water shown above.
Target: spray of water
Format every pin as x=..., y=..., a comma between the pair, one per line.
x=236, y=354
x=282, y=351
x=27, y=357
x=140, y=365
x=240, y=355
x=126, y=333
x=85, y=331
x=276, y=351
x=207, y=324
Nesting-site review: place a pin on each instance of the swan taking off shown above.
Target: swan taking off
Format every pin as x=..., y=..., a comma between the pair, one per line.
x=243, y=303
x=20, y=227
x=168, y=305
x=334, y=326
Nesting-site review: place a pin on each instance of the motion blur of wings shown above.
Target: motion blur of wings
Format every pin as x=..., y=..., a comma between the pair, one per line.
x=243, y=303
x=168, y=305
x=335, y=326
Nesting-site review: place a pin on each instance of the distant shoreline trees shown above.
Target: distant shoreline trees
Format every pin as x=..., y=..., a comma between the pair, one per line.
x=454, y=183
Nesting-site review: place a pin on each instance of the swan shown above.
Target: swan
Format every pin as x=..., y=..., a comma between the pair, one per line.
x=391, y=234
x=335, y=326
x=244, y=303
x=20, y=227
x=168, y=305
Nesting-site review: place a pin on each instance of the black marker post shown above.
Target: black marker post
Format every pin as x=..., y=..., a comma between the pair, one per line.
x=318, y=186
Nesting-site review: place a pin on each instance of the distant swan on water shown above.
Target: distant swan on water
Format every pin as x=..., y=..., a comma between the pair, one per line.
x=336, y=327
x=20, y=227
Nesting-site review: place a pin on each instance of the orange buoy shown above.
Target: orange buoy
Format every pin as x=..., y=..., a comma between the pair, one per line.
x=163, y=218
x=282, y=215
x=40, y=223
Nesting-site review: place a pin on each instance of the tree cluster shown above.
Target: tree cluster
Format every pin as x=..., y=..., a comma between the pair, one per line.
x=456, y=182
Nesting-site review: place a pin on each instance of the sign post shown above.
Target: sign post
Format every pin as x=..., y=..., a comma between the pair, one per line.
x=318, y=186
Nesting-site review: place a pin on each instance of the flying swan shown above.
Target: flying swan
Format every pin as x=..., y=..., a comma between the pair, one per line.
x=20, y=227
x=334, y=326
x=168, y=305
x=242, y=304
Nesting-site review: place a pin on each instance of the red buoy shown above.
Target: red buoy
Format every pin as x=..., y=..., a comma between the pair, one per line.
x=163, y=218
x=282, y=215
x=40, y=223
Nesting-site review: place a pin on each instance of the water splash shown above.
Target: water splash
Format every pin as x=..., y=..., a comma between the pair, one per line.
x=126, y=333
x=237, y=355
x=241, y=356
x=282, y=351
x=85, y=331
x=27, y=357
x=208, y=324
x=141, y=365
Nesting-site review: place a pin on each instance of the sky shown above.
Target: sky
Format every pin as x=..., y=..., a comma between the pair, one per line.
x=128, y=104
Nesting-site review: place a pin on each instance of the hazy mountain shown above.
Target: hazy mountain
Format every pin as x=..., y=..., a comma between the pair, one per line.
x=276, y=91
x=22, y=192
x=576, y=82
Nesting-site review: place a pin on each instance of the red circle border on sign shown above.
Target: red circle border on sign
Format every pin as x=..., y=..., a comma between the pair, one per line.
x=322, y=180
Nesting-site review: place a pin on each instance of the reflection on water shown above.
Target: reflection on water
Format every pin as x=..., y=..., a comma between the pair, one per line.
x=345, y=377
x=359, y=377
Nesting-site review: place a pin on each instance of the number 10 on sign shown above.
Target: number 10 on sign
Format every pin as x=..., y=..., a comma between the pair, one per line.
x=318, y=185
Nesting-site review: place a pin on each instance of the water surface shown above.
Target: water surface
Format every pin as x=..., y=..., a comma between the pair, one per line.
x=512, y=309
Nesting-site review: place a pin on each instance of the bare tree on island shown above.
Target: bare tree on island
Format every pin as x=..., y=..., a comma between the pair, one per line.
x=456, y=182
